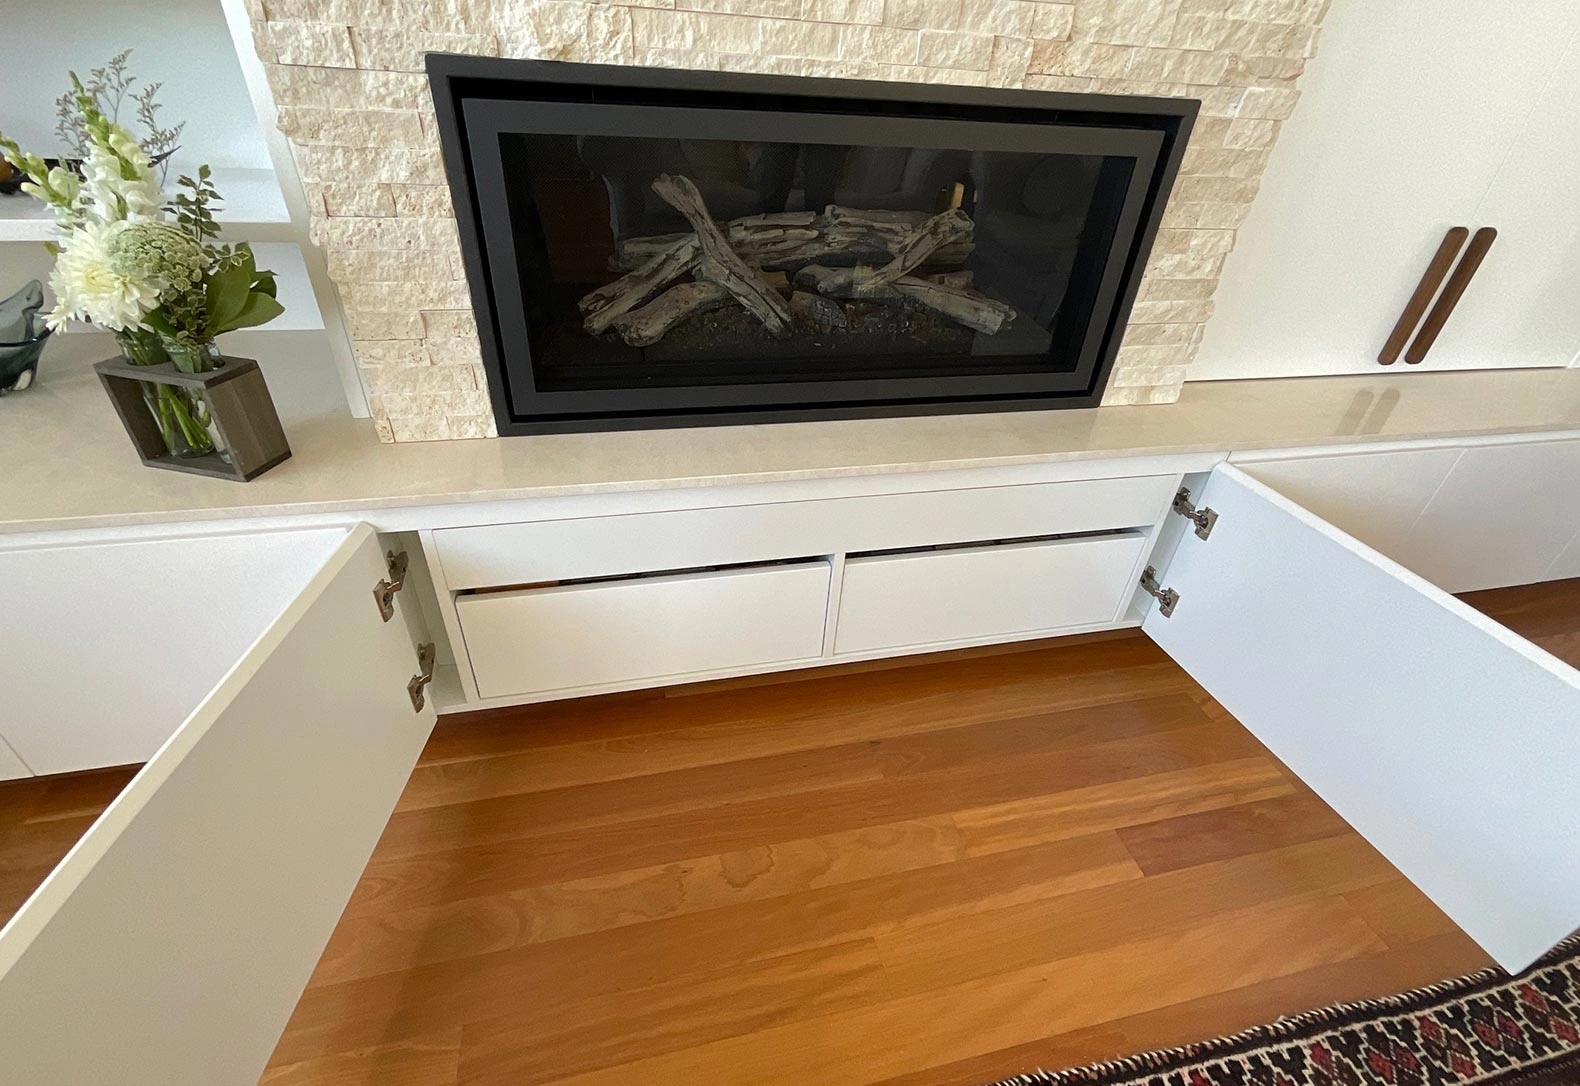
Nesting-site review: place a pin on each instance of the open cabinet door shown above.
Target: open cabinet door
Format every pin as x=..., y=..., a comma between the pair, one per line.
x=170, y=946
x=1447, y=741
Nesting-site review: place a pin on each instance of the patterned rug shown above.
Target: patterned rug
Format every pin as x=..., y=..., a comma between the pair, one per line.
x=1485, y=1028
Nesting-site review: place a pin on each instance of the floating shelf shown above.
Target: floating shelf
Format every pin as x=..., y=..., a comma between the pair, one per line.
x=253, y=210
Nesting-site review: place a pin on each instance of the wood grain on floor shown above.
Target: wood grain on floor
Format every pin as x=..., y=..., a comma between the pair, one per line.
x=934, y=872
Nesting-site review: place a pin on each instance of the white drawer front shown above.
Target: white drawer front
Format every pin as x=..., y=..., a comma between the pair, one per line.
x=504, y=554
x=938, y=597
x=614, y=632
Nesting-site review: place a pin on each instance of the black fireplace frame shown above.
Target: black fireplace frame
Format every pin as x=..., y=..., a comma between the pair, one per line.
x=458, y=80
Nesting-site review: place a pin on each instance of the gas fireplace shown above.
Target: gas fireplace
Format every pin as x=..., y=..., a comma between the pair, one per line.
x=661, y=248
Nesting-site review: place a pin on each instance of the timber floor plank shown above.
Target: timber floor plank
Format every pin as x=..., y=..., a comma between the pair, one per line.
x=936, y=871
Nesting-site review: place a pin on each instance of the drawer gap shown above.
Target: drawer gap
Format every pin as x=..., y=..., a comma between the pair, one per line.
x=643, y=576
x=976, y=543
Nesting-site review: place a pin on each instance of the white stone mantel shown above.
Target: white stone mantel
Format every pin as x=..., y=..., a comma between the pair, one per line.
x=66, y=463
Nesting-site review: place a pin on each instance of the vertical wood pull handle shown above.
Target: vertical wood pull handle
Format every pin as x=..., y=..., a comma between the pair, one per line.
x=1453, y=290
x=1442, y=260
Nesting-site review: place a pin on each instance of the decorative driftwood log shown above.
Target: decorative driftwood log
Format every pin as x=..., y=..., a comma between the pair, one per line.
x=719, y=262
x=842, y=254
x=603, y=306
x=646, y=326
x=954, y=300
x=864, y=281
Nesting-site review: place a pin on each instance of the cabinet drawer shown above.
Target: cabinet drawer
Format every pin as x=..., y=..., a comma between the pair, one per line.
x=935, y=597
x=504, y=554
x=620, y=631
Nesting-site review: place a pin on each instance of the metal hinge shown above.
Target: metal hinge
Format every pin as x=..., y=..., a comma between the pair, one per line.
x=1204, y=519
x=425, y=660
x=384, y=591
x=1167, y=598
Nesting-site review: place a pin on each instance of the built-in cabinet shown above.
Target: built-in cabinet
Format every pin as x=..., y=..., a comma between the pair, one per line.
x=205, y=893
x=1413, y=119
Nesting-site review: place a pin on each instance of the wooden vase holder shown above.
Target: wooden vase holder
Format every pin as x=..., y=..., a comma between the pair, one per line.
x=242, y=410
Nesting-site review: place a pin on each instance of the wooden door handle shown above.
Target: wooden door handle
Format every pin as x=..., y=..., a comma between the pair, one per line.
x=1475, y=252
x=1442, y=260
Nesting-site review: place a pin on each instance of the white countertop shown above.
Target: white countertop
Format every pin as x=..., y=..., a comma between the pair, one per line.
x=65, y=461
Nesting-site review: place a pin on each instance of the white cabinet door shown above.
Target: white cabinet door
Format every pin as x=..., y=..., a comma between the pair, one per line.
x=171, y=945
x=1405, y=115
x=1448, y=742
x=109, y=645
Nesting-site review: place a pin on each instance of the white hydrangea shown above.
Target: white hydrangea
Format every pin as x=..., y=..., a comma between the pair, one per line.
x=118, y=182
x=88, y=287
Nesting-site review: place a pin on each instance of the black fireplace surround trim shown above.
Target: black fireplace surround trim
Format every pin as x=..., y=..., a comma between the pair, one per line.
x=456, y=78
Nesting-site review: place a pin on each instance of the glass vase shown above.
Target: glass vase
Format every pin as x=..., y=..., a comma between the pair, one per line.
x=193, y=357
x=183, y=415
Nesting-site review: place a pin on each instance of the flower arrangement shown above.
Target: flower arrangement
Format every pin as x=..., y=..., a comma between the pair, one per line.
x=147, y=267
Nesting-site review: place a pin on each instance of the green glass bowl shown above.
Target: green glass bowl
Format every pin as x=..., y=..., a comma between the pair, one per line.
x=19, y=362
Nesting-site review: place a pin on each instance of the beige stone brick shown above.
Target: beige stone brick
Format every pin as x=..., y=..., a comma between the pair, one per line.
x=421, y=201
x=567, y=30
x=1193, y=243
x=385, y=234
x=1177, y=290
x=923, y=14
x=1147, y=377
x=767, y=9
x=420, y=378
x=420, y=429
x=842, y=11
x=359, y=200
x=1207, y=188
x=694, y=30
x=1008, y=18
x=1161, y=335
x=416, y=295
x=1134, y=356
x=322, y=45
x=1225, y=162
x=881, y=44
x=400, y=50
x=955, y=49
x=1216, y=101
x=1200, y=32
x=813, y=41
x=1170, y=312
x=1263, y=71
x=383, y=324
x=391, y=266
x=262, y=42
x=1247, y=133
x=1011, y=58
x=449, y=324
x=1075, y=84
x=907, y=73
x=1053, y=22
x=1185, y=265
x=344, y=88
x=471, y=426
x=454, y=351
x=1177, y=66
x=1082, y=59
x=1125, y=22
x=1208, y=216
x=353, y=127
x=1140, y=86
x=392, y=352
x=326, y=162
x=1274, y=103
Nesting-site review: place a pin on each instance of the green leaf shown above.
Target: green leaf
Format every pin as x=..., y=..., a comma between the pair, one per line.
x=226, y=295
x=260, y=309
x=263, y=283
x=159, y=320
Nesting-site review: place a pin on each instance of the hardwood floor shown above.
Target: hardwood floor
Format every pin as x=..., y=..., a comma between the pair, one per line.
x=934, y=872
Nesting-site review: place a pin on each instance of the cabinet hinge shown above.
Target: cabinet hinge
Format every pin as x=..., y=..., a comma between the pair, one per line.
x=1204, y=519
x=1167, y=598
x=425, y=660
x=384, y=591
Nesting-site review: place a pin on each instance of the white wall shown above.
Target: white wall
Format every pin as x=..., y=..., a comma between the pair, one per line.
x=184, y=44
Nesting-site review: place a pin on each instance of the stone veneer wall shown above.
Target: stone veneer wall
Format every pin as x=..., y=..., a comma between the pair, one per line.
x=346, y=75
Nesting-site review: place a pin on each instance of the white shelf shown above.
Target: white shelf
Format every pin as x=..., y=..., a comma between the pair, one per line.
x=253, y=210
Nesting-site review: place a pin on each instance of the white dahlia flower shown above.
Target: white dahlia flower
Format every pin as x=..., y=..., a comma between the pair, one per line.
x=88, y=286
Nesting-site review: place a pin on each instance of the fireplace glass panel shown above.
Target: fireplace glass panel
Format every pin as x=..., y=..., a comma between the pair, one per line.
x=1010, y=290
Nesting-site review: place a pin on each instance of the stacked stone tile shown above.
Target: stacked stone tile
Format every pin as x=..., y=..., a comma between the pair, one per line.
x=347, y=78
